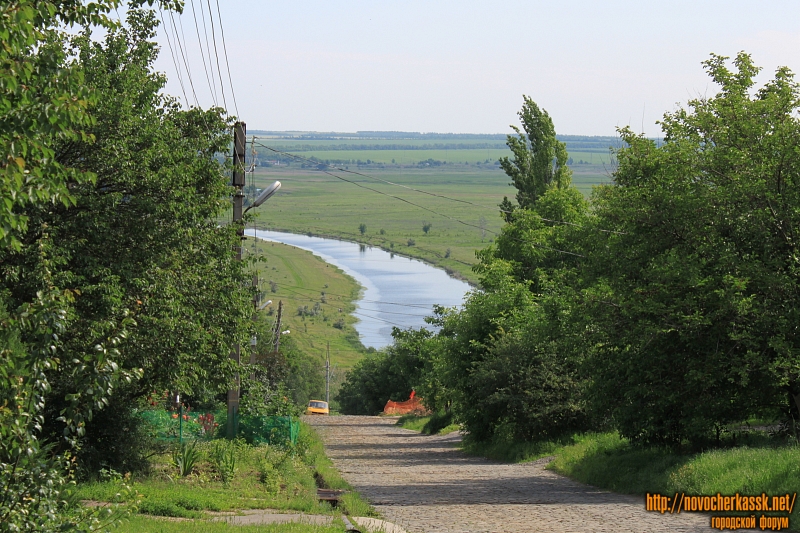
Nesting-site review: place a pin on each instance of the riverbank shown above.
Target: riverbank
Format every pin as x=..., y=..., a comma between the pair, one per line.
x=318, y=301
x=399, y=292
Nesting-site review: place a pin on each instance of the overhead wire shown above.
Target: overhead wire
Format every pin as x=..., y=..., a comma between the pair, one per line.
x=211, y=89
x=493, y=208
x=216, y=53
x=308, y=297
x=227, y=64
x=174, y=61
x=538, y=245
x=185, y=62
x=208, y=46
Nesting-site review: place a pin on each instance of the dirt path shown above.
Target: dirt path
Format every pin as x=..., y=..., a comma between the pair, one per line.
x=424, y=484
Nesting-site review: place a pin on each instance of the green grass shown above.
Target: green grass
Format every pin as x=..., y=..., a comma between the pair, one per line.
x=145, y=524
x=607, y=461
x=311, y=202
x=436, y=424
x=301, y=278
x=513, y=452
x=295, y=475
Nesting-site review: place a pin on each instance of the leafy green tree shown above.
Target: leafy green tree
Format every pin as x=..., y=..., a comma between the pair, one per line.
x=390, y=374
x=362, y=228
x=511, y=363
x=43, y=101
x=426, y=227
x=141, y=239
x=695, y=298
x=539, y=161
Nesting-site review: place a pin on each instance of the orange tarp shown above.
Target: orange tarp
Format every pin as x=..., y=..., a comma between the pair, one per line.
x=412, y=405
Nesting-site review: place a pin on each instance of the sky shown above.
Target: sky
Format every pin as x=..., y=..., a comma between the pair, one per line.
x=462, y=66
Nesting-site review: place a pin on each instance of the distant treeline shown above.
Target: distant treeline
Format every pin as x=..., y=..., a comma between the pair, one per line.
x=355, y=147
x=574, y=143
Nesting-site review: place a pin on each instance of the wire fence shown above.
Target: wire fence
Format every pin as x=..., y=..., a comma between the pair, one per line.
x=180, y=426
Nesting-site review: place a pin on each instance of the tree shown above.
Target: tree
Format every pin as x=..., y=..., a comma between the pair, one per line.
x=540, y=160
x=141, y=239
x=511, y=362
x=43, y=101
x=362, y=228
x=426, y=227
x=697, y=289
x=390, y=374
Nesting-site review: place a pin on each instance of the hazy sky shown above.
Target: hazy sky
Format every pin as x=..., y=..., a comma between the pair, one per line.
x=463, y=66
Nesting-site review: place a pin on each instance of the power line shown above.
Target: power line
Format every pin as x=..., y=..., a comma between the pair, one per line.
x=211, y=89
x=375, y=178
x=185, y=63
x=208, y=46
x=227, y=64
x=172, y=53
x=216, y=54
x=538, y=245
x=382, y=320
x=308, y=297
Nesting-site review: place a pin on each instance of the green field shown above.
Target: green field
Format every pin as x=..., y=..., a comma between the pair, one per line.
x=311, y=201
x=300, y=279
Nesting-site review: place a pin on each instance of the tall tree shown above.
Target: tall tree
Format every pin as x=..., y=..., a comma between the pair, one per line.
x=540, y=160
x=141, y=239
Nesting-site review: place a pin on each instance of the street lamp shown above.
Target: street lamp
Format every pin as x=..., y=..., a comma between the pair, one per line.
x=265, y=195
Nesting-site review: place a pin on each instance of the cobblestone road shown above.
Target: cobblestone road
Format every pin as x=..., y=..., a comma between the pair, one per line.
x=424, y=484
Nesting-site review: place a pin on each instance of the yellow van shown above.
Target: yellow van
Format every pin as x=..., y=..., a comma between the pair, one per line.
x=317, y=407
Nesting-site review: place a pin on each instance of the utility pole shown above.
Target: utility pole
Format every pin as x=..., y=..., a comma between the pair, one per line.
x=256, y=301
x=278, y=326
x=328, y=374
x=239, y=142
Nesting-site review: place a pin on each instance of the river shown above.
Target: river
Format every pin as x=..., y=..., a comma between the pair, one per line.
x=398, y=291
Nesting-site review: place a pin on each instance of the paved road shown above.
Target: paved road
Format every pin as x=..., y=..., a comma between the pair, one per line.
x=424, y=484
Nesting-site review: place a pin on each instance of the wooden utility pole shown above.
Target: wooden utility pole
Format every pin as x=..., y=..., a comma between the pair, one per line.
x=239, y=143
x=278, y=327
x=328, y=374
x=256, y=301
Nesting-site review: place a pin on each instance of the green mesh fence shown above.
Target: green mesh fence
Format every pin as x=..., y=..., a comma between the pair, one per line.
x=179, y=426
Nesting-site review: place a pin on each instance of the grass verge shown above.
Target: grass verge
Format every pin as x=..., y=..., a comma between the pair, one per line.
x=607, y=461
x=264, y=477
x=436, y=424
x=140, y=524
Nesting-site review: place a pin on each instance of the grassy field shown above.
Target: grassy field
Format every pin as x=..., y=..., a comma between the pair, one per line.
x=298, y=278
x=311, y=202
x=464, y=217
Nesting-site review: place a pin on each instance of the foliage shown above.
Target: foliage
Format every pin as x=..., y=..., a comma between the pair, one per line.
x=696, y=292
x=426, y=226
x=185, y=456
x=118, y=439
x=439, y=423
x=142, y=238
x=540, y=160
x=386, y=375
x=259, y=399
x=292, y=475
x=223, y=459
x=362, y=228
